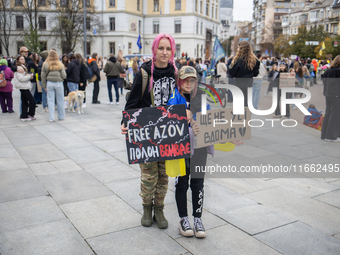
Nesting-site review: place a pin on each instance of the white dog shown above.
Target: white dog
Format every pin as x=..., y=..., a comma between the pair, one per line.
x=73, y=98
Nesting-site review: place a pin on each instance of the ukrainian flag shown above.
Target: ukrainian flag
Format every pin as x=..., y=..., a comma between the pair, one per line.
x=323, y=47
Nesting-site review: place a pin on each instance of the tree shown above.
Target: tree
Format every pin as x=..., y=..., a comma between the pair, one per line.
x=69, y=23
x=6, y=18
x=282, y=46
x=226, y=44
x=267, y=37
x=330, y=49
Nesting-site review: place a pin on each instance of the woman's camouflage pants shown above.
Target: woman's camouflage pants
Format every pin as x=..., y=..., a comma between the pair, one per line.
x=154, y=183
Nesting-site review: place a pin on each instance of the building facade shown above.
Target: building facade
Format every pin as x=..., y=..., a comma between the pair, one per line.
x=192, y=23
x=226, y=17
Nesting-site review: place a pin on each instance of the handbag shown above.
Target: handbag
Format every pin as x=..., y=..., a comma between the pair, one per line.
x=122, y=75
x=175, y=167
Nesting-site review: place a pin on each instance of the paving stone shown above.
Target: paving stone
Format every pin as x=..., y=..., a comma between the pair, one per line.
x=132, y=197
x=29, y=141
x=138, y=240
x=331, y=198
x=46, y=129
x=64, y=189
x=252, y=151
x=256, y=218
x=18, y=132
x=323, y=159
x=299, y=238
x=93, y=154
x=284, y=140
x=58, y=237
x=12, y=163
x=310, y=211
x=337, y=236
x=43, y=168
x=40, y=153
x=110, y=171
x=304, y=186
x=218, y=199
x=19, y=184
x=66, y=165
x=242, y=185
x=79, y=127
x=226, y=240
x=69, y=142
x=95, y=135
x=111, y=145
x=288, y=150
x=101, y=216
x=8, y=151
x=27, y=212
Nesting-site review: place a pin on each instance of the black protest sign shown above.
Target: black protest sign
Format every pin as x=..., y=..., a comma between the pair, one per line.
x=221, y=125
x=157, y=134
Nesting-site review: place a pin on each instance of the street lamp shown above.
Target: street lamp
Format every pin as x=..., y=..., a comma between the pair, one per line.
x=85, y=46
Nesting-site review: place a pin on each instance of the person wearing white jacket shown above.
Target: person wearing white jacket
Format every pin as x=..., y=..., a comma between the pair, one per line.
x=258, y=82
x=22, y=82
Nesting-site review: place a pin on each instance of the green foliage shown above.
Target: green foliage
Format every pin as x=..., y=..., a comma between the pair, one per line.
x=31, y=40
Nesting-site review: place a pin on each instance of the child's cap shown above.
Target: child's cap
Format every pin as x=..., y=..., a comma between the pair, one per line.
x=3, y=62
x=312, y=106
x=186, y=71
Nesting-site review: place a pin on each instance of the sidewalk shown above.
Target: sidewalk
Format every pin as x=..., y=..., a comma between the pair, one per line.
x=66, y=188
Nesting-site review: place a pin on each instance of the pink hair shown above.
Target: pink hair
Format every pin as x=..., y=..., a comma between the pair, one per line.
x=154, y=47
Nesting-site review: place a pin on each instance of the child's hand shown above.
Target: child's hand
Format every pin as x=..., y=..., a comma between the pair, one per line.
x=188, y=115
x=195, y=127
x=238, y=143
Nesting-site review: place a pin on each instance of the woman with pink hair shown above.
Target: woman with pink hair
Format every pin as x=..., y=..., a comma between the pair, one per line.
x=162, y=73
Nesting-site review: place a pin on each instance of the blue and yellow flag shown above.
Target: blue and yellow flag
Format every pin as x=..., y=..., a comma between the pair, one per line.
x=323, y=47
x=218, y=53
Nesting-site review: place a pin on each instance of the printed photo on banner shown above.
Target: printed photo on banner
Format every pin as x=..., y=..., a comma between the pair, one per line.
x=221, y=125
x=156, y=134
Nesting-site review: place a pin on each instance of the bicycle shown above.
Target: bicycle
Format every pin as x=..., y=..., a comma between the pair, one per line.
x=212, y=80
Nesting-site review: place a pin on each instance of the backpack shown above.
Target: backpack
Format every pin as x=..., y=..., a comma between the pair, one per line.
x=3, y=81
x=92, y=76
x=144, y=85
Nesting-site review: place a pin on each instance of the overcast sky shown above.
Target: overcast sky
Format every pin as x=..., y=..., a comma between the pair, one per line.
x=243, y=10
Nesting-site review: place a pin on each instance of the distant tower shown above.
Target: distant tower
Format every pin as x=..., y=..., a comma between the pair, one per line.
x=226, y=17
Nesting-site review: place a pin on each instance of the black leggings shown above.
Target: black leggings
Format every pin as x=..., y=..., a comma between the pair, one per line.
x=28, y=104
x=196, y=185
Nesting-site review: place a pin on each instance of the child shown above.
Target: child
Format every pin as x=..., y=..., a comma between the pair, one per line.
x=6, y=99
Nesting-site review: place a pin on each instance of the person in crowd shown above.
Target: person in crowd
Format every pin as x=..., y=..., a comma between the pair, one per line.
x=162, y=72
x=244, y=67
x=84, y=75
x=274, y=61
x=122, y=76
x=35, y=81
x=64, y=61
x=257, y=85
x=6, y=99
x=130, y=70
x=276, y=84
x=306, y=75
x=198, y=69
x=73, y=73
x=100, y=63
x=221, y=68
x=22, y=82
x=94, y=67
x=43, y=55
x=104, y=62
x=135, y=68
x=52, y=76
x=271, y=78
x=315, y=65
x=113, y=70
x=231, y=80
x=178, y=63
x=331, y=123
x=204, y=69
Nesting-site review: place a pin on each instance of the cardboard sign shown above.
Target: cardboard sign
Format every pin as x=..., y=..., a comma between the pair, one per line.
x=287, y=80
x=220, y=126
x=157, y=134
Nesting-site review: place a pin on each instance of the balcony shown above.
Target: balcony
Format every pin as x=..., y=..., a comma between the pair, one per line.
x=314, y=19
x=303, y=19
x=285, y=23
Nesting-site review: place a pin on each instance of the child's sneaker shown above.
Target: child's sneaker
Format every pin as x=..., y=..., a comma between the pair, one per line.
x=185, y=228
x=26, y=119
x=199, y=228
x=32, y=118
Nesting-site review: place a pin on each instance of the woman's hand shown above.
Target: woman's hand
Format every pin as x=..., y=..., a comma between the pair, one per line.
x=123, y=129
x=81, y=84
x=31, y=76
x=189, y=116
x=195, y=128
x=238, y=142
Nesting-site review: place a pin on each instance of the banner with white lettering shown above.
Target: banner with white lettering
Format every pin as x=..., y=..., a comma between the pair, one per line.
x=221, y=125
x=287, y=80
x=157, y=134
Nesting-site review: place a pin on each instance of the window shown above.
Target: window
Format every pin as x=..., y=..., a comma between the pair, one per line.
x=178, y=5
x=178, y=26
x=19, y=45
x=63, y=2
x=155, y=5
x=197, y=25
x=212, y=11
x=196, y=7
x=293, y=4
x=201, y=50
x=207, y=10
x=302, y=4
x=88, y=3
x=216, y=13
x=335, y=29
x=43, y=46
x=295, y=19
x=138, y=5
x=156, y=27
x=88, y=23
x=286, y=4
x=178, y=50
x=42, y=23
x=112, y=46
x=291, y=31
x=42, y=2
x=201, y=32
x=139, y=26
x=18, y=3
x=197, y=50
x=88, y=48
x=112, y=24
x=326, y=29
x=19, y=22
x=112, y=3
x=130, y=47
x=201, y=7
